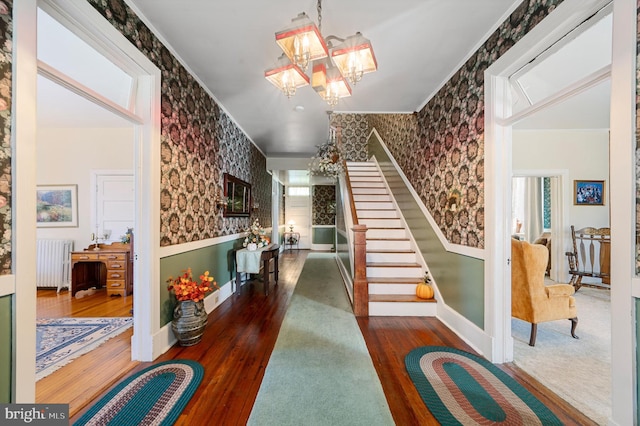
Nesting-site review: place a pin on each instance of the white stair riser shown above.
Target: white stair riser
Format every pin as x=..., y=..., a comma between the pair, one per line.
x=364, y=179
x=367, y=184
x=362, y=168
x=371, y=197
x=369, y=191
x=392, y=289
x=390, y=234
x=358, y=173
x=380, y=223
x=385, y=244
x=390, y=272
x=410, y=309
x=392, y=257
x=365, y=205
x=364, y=214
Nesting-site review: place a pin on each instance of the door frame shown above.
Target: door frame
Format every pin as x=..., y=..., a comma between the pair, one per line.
x=498, y=167
x=85, y=21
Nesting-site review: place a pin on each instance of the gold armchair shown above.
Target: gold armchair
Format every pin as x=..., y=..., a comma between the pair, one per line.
x=531, y=299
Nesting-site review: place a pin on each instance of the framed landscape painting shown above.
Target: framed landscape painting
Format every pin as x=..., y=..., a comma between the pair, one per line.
x=57, y=206
x=588, y=192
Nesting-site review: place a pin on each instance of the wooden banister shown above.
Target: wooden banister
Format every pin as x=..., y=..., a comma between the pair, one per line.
x=360, y=282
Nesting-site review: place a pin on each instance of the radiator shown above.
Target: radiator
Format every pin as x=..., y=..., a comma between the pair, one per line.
x=53, y=263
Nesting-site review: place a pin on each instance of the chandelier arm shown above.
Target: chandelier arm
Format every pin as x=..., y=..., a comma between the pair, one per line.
x=319, y=7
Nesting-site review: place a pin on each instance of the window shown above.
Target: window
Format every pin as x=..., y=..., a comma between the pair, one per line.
x=298, y=191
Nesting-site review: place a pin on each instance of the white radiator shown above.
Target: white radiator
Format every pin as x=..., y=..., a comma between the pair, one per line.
x=53, y=263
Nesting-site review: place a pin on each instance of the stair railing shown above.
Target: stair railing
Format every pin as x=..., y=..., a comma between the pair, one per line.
x=359, y=241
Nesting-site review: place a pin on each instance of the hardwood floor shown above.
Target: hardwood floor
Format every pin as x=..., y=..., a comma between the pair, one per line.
x=236, y=347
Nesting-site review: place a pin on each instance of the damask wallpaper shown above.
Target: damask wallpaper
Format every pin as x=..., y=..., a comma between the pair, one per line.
x=324, y=205
x=355, y=131
x=441, y=147
x=200, y=142
x=6, y=56
x=638, y=140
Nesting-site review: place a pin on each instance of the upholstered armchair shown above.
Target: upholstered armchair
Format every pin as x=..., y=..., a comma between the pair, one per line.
x=531, y=299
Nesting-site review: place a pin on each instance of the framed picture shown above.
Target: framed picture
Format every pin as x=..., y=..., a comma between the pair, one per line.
x=57, y=206
x=588, y=192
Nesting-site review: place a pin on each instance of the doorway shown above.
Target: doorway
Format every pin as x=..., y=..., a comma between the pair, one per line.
x=498, y=135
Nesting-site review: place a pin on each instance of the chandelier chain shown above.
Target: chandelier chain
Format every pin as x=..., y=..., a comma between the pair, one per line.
x=319, y=16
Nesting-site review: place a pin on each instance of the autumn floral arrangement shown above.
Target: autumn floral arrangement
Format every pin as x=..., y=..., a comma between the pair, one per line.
x=255, y=235
x=184, y=287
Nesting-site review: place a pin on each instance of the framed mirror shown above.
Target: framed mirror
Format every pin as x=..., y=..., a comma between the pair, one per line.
x=238, y=195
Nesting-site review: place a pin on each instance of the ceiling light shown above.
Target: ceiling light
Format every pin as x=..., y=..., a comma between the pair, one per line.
x=286, y=76
x=302, y=43
x=354, y=58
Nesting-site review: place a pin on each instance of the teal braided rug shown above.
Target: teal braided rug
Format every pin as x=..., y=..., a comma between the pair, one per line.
x=460, y=388
x=153, y=396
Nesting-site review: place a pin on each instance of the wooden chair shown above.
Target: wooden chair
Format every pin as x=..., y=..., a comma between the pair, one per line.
x=531, y=299
x=582, y=260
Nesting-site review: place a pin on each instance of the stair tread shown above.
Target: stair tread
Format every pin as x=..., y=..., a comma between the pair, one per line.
x=398, y=298
x=387, y=239
x=390, y=251
x=394, y=280
x=392, y=265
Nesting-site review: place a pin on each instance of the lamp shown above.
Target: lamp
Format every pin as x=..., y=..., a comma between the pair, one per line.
x=286, y=76
x=354, y=58
x=255, y=206
x=302, y=43
x=220, y=201
x=291, y=223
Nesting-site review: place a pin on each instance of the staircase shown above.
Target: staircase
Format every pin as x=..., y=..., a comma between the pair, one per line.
x=393, y=271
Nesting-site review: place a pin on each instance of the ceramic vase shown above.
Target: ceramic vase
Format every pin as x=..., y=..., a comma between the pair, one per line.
x=252, y=246
x=189, y=321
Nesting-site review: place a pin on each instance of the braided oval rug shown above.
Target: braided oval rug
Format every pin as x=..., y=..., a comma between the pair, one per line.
x=462, y=388
x=153, y=396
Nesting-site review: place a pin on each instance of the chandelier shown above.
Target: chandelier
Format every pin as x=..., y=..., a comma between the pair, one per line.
x=333, y=68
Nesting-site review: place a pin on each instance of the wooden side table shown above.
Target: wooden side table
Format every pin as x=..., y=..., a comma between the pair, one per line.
x=292, y=239
x=249, y=262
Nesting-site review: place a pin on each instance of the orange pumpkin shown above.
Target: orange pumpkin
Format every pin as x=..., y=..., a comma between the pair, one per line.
x=424, y=291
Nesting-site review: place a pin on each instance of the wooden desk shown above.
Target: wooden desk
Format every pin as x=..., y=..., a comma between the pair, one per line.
x=111, y=266
x=251, y=264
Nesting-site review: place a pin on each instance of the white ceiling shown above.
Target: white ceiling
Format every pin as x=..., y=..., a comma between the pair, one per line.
x=229, y=44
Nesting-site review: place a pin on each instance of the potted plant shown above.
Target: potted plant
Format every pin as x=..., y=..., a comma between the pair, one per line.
x=189, y=315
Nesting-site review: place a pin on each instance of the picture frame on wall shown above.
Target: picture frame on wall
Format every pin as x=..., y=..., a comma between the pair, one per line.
x=588, y=192
x=57, y=206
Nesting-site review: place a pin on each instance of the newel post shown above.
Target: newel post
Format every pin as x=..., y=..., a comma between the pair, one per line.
x=360, y=284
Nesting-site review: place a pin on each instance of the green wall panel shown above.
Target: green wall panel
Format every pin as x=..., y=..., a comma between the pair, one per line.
x=5, y=349
x=218, y=259
x=323, y=235
x=460, y=279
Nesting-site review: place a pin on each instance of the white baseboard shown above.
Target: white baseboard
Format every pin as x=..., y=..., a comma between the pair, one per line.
x=473, y=335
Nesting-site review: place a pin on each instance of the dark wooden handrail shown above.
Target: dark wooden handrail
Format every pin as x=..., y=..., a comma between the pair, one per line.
x=360, y=282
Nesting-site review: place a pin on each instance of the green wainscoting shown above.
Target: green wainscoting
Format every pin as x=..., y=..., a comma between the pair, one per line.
x=460, y=278
x=218, y=259
x=323, y=235
x=5, y=348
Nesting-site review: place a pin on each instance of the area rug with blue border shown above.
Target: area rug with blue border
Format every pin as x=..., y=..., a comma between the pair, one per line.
x=460, y=388
x=61, y=340
x=153, y=396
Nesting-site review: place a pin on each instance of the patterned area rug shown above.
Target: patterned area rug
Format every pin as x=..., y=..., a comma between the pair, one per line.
x=61, y=340
x=154, y=396
x=461, y=388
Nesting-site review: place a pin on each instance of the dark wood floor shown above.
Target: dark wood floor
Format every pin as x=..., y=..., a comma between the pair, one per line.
x=238, y=342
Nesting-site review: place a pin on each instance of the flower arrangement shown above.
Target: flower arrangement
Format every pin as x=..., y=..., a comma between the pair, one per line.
x=328, y=160
x=255, y=235
x=185, y=288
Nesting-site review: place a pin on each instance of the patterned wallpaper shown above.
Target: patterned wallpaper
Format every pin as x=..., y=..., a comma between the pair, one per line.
x=6, y=56
x=355, y=130
x=638, y=140
x=324, y=205
x=199, y=143
x=441, y=147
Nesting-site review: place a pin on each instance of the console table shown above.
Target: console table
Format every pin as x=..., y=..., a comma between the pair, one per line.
x=111, y=266
x=292, y=239
x=249, y=262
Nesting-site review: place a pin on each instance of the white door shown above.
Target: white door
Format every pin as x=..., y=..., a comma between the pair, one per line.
x=298, y=209
x=115, y=206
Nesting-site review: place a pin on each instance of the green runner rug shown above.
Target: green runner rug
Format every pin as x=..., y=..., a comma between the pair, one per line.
x=320, y=372
x=154, y=396
x=460, y=388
